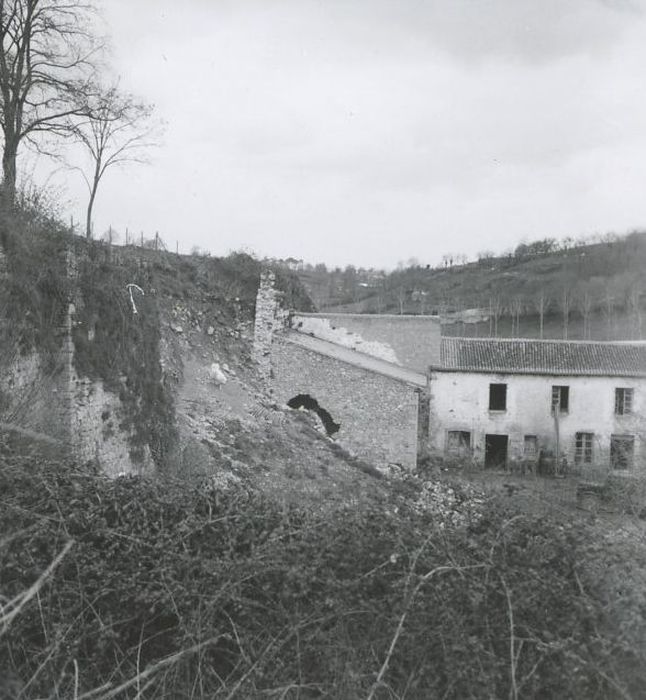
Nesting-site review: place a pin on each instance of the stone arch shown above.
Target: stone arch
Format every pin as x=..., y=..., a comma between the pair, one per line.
x=311, y=404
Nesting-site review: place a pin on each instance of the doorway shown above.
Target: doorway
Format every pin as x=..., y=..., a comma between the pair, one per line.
x=496, y=451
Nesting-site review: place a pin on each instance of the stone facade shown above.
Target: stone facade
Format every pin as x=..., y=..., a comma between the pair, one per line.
x=376, y=403
x=460, y=403
x=377, y=414
x=95, y=434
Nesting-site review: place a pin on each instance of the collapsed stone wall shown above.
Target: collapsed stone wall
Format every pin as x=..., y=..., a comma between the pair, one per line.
x=324, y=329
x=410, y=341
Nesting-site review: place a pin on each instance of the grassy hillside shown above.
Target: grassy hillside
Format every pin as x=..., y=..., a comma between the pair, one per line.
x=601, y=285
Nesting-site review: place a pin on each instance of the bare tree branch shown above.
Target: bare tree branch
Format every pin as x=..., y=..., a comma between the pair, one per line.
x=49, y=54
x=117, y=129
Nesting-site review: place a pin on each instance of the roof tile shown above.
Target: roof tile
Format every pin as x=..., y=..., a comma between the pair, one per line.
x=511, y=356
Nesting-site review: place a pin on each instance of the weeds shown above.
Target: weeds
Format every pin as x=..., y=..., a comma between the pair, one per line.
x=171, y=591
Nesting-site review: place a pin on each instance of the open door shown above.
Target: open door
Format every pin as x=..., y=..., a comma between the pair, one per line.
x=496, y=451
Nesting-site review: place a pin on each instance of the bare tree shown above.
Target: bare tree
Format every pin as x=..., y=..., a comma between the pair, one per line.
x=118, y=129
x=565, y=305
x=541, y=304
x=584, y=302
x=609, y=311
x=634, y=303
x=48, y=54
x=401, y=298
x=495, y=311
x=515, y=310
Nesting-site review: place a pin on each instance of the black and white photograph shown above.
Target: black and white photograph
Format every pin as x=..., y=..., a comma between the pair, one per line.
x=323, y=350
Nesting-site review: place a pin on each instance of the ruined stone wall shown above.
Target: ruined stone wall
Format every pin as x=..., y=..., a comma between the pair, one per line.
x=414, y=341
x=33, y=385
x=270, y=319
x=42, y=393
x=93, y=414
x=377, y=414
x=95, y=432
x=32, y=395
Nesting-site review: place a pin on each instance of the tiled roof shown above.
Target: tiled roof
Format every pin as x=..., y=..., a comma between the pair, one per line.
x=511, y=356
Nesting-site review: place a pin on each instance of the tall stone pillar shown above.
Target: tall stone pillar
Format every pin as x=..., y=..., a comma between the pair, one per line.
x=270, y=319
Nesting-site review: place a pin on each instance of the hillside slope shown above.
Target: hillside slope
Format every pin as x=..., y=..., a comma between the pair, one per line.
x=147, y=327
x=232, y=432
x=602, y=286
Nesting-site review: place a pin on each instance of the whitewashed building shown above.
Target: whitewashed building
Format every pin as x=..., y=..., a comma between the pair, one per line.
x=498, y=400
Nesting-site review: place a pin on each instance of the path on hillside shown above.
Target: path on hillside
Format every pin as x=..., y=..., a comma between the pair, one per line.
x=356, y=358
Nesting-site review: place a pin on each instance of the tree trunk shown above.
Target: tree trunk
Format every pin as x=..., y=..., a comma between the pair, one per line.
x=9, y=156
x=88, y=219
x=90, y=205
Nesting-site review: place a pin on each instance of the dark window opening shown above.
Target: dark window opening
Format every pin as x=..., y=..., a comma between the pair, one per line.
x=496, y=451
x=311, y=404
x=583, y=448
x=497, y=397
x=622, y=451
x=623, y=401
x=458, y=442
x=561, y=398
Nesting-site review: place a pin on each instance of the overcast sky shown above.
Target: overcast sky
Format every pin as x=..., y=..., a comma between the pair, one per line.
x=372, y=131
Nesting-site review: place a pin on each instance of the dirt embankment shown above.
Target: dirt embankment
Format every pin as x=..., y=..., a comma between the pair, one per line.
x=229, y=428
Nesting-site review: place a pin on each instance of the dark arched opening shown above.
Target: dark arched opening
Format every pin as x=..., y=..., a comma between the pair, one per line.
x=311, y=404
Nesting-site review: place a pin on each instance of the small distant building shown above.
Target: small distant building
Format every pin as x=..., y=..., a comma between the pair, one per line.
x=496, y=400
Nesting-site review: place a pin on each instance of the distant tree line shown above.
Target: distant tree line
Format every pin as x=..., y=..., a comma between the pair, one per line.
x=574, y=280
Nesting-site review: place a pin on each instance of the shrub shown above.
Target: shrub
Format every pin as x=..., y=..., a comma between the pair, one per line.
x=173, y=592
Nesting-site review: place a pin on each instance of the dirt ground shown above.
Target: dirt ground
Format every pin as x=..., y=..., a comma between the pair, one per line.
x=546, y=495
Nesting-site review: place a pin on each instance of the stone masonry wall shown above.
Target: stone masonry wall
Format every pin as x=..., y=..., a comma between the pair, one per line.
x=270, y=318
x=45, y=396
x=93, y=414
x=414, y=340
x=95, y=432
x=377, y=414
